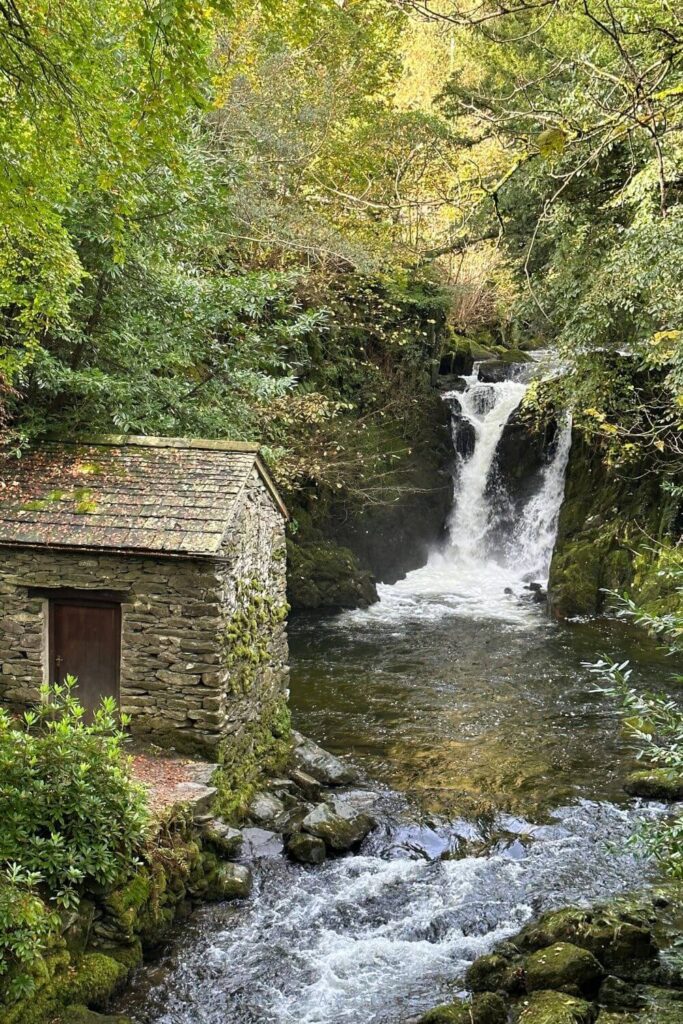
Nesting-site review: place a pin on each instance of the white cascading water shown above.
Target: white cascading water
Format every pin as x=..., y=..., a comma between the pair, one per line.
x=485, y=567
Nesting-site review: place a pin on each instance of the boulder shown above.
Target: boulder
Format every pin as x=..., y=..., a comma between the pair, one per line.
x=309, y=786
x=233, y=881
x=306, y=848
x=339, y=831
x=655, y=784
x=225, y=840
x=563, y=968
x=261, y=844
x=494, y=972
x=326, y=576
x=483, y=1009
x=198, y=797
x=323, y=766
x=266, y=808
x=555, y=1008
x=616, y=994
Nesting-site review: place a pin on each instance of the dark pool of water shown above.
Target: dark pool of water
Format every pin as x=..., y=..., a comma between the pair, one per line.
x=463, y=713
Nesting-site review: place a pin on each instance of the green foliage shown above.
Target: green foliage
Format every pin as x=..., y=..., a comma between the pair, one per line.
x=71, y=815
x=656, y=723
x=26, y=927
x=579, y=183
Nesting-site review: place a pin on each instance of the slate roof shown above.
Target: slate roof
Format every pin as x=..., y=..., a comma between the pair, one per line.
x=140, y=494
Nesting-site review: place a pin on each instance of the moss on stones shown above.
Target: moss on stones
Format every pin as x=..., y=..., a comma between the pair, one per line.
x=563, y=967
x=555, y=1008
x=494, y=972
x=94, y=978
x=82, y=1015
x=261, y=748
x=655, y=784
x=483, y=1009
x=323, y=575
x=605, y=536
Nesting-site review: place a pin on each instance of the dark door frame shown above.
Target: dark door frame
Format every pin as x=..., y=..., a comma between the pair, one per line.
x=89, y=598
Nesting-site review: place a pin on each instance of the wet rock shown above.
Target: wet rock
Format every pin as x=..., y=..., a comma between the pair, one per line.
x=616, y=994
x=309, y=786
x=266, y=808
x=655, y=784
x=323, y=766
x=222, y=838
x=495, y=972
x=233, y=881
x=82, y=1015
x=307, y=849
x=555, y=1008
x=340, y=831
x=483, y=1009
x=563, y=968
x=260, y=844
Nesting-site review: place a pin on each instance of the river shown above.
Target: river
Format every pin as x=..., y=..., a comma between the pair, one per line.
x=497, y=765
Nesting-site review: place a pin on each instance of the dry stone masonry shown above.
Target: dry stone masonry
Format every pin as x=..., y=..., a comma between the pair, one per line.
x=189, y=538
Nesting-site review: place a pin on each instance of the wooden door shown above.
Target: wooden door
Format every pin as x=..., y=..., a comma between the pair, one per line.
x=85, y=642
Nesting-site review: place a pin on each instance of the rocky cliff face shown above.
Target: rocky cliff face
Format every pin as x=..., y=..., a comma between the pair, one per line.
x=343, y=547
x=610, y=525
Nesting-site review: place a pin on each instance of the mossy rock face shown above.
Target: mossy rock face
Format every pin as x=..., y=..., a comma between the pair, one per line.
x=483, y=1009
x=616, y=938
x=325, y=576
x=97, y=977
x=555, y=1008
x=655, y=784
x=563, y=967
x=494, y=973
x=82, y=1015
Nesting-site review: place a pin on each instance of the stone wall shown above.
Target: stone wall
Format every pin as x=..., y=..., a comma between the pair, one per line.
x=178, y=663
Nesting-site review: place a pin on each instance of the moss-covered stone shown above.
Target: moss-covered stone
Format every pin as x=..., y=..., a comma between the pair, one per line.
x=486, y=1008
x=325, y=576
x=655, y=784
x=82, y=1015
x=555, y=1008
x=494, y=972
x=617, y=938
x=563, y=967
x=95, y=978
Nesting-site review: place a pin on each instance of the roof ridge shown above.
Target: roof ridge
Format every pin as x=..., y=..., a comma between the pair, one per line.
x=158, y=441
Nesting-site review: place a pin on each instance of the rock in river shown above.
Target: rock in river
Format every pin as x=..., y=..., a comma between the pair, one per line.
x=555, y=1008
x=323, y=766
x=223, y=838
x=341, y=828
x=565, y=968
x=306, y=848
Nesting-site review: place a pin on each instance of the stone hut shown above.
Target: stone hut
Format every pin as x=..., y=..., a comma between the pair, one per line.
x=153, y=570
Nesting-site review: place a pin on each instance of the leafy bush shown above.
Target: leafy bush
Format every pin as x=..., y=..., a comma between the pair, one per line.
x=656, y=722
x=26, y=924
x=70, y=813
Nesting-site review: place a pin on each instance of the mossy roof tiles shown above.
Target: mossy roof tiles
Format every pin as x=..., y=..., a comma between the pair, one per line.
x=143, y=494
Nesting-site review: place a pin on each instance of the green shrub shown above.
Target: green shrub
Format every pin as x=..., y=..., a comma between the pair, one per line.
x=69, y=810
x=26, y=925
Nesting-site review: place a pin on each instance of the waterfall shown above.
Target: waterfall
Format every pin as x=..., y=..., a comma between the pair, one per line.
x=483, y=530
x=501, y=529
x=486, y=408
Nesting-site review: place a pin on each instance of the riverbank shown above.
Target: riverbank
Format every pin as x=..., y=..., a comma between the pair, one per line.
x=608, y=964
x=191, y=858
